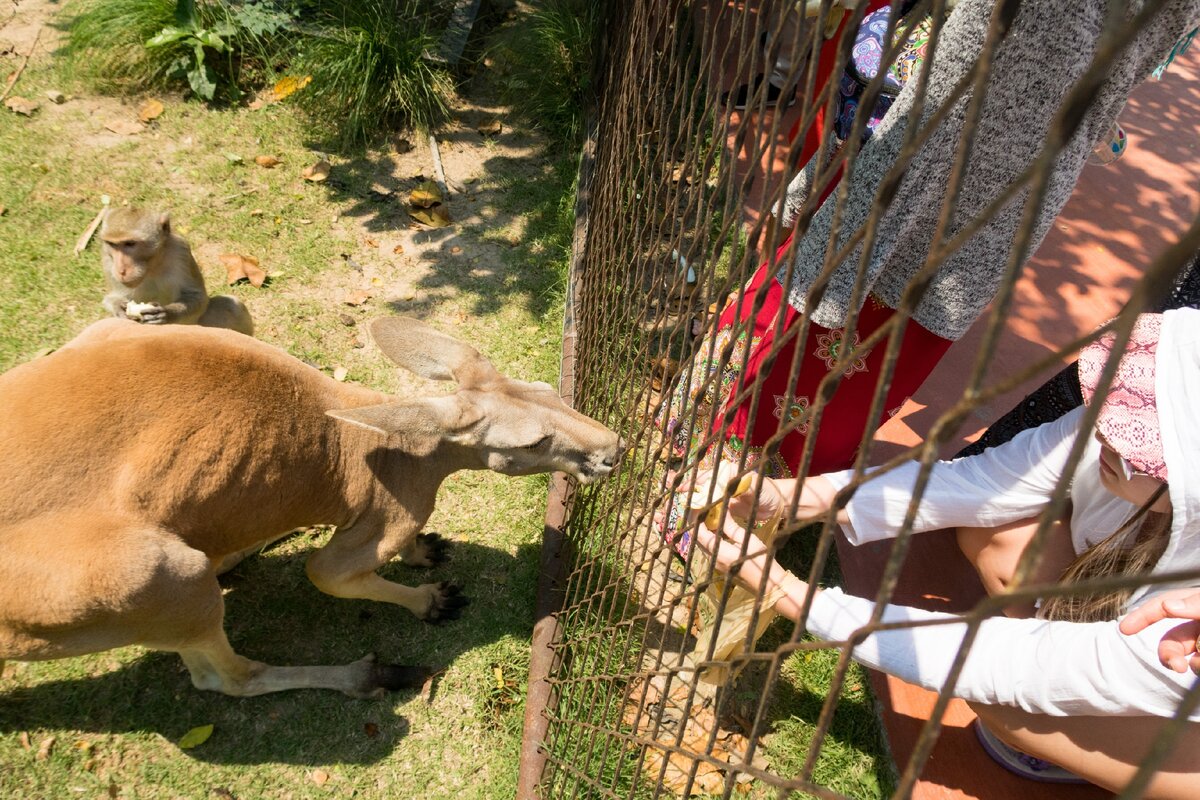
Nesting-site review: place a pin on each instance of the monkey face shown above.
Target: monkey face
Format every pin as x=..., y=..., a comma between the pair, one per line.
x=129, y=258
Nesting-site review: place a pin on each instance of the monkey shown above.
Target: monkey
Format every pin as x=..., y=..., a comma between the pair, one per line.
x=153, y=278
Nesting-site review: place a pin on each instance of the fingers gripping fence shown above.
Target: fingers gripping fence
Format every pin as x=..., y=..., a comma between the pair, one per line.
x=658, y=676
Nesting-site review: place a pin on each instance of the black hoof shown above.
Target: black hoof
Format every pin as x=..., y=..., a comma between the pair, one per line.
x=436, y=547
x=448, y=603
x=393, y=677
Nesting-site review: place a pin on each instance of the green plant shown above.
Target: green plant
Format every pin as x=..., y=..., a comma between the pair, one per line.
x=232, y=28
x=217, y=47
x=370, y=68
x=106, y=43
x=549, y=63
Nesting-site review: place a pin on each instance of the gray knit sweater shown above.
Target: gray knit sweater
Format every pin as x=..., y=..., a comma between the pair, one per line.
x=1048, y=48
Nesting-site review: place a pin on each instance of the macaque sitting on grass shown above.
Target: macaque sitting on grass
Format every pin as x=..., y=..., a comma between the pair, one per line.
x=153, y=279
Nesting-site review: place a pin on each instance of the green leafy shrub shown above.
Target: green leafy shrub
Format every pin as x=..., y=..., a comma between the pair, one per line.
x=218, y=48
x=215, y=38
x=549, y=63
x=370, y=67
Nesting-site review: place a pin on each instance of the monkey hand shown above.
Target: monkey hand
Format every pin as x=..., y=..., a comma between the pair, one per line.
x=148, y=313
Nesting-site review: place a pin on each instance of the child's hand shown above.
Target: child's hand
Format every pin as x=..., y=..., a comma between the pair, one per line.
x=1177, y=649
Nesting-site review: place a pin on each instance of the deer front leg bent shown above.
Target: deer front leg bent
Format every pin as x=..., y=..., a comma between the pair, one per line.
x=346, y=565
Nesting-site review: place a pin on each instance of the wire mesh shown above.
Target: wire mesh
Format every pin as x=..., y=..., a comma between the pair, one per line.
x=640, y=700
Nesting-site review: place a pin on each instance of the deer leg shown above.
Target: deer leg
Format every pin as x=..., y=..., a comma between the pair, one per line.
x=214, y=666
x=345, y=567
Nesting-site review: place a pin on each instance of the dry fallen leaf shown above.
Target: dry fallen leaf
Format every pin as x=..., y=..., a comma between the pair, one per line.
x=491, y=128
x=435, y=217
x=267, y=162
x=21, y=105
x=289, y=85
x=347, y=320
x=152, y=109
x=426, y=195
x=371, y=242
x=319, y=776
x=456, y=250
x=357, y=297
x=238, y=267
x=398, y=249
x=125, y=127
x=45, y=747
x=195, y=737
x=317, y=172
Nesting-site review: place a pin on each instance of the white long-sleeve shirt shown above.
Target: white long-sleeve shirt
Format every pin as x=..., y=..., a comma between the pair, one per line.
x=1057, y=668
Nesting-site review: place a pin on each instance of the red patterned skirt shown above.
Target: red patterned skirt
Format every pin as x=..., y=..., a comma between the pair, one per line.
x=845, y=416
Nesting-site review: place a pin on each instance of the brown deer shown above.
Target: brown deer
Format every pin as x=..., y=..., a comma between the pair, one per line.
x=138, y=462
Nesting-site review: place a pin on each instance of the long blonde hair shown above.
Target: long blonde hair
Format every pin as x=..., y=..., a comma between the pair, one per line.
x=1133, y=549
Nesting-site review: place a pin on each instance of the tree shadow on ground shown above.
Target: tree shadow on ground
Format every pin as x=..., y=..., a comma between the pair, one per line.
x=510, y=231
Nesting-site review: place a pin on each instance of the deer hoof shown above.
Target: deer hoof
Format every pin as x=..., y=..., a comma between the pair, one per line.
x=376, y=679
x=447, y=602
x=432, y=549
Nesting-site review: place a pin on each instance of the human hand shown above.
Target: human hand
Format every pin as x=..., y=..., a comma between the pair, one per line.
x=1177, y=649
x=744, y=556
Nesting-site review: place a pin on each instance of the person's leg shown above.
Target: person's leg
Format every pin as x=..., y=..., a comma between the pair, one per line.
x=1105, y=750
x=995, y=553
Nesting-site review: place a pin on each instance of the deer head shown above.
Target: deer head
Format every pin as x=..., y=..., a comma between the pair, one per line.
x=515, y=427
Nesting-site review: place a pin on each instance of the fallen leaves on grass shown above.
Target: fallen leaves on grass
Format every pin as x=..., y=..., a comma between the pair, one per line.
x=151, y=110
x=319, y=776
x=288, y=85
x=125, y=127
x=660, y=718
x=239, y=267
x=267, y=162
x=21, y=105
x=357, y=297
x=45, y=747
x=234, y=158
x=317, y=172
x=425, y=195
x=195, y=737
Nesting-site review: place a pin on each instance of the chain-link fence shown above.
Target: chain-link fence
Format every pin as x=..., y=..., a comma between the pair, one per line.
x=924, y=156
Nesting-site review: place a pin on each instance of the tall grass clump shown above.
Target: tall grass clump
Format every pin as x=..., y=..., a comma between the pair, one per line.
x=106, y=43
x=370, y=68
x=548, y=61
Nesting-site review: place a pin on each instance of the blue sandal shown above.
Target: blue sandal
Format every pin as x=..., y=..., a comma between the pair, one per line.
x=1022, y=764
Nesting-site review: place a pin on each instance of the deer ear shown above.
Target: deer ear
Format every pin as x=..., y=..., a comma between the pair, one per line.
x=430, y=353
x=446, y=417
